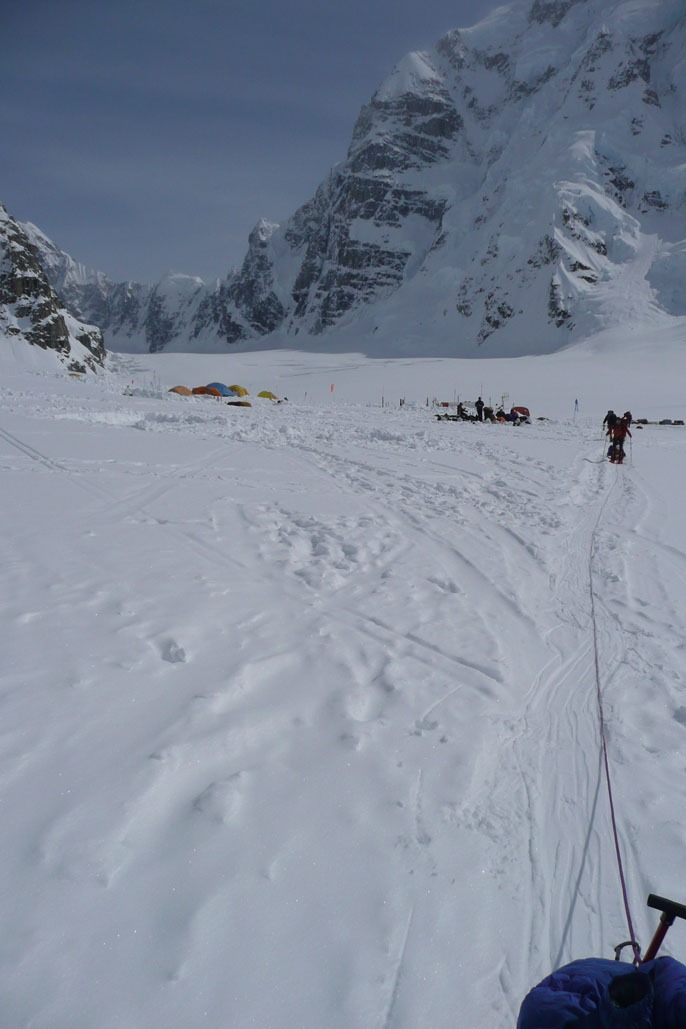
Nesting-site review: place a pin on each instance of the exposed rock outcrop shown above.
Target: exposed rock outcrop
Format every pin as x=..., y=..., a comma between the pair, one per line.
x=30, y=309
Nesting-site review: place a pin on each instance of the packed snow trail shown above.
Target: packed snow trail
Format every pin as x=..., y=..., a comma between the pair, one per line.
x=300, y=724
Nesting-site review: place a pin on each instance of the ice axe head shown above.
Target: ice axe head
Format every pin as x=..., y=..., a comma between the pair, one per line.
x=670, y=911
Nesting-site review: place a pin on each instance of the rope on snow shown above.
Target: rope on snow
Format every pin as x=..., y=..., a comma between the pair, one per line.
x=603, y=737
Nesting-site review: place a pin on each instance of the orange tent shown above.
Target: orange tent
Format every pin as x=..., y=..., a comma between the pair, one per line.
x=182, y=390
x=200, y=391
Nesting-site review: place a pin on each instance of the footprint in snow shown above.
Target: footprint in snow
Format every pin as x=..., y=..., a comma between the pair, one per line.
x=680, y=715
x=422, y=726
x=222, y=800
x=172, y=652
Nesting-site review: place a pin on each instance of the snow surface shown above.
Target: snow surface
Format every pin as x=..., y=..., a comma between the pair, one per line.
x=299, y=718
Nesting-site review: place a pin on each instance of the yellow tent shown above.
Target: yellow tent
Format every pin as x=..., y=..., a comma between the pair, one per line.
x=268, y=395
x=240, y=391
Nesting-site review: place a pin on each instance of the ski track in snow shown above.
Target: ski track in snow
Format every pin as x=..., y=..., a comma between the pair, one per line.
x=359, y=649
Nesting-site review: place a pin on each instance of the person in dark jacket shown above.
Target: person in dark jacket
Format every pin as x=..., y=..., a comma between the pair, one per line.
x=479, y=405
x=609, y=422
x=597, y=993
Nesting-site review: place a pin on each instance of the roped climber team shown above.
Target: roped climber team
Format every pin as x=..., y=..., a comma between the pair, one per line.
x=617, y=429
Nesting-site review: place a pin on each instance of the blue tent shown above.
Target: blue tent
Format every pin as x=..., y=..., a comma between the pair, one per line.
x=221, y=388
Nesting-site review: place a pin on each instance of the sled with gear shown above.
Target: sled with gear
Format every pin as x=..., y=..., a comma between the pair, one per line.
x=464, y=412
x=524, y=413
x=514, y=416
x=601, y=993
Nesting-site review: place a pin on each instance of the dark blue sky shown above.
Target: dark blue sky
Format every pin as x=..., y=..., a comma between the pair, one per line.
x=145, y=136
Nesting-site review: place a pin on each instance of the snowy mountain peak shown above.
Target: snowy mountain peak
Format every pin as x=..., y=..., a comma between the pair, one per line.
x=412, y=73
x=263, y=231
x=509, y=191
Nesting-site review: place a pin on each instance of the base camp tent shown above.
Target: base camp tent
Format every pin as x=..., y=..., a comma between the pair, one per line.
x=239, y=391
x=181, y=390
x=222, y=389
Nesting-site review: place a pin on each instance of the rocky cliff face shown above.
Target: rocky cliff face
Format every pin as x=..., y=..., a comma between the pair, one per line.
x=514, y=189
x=30, y=309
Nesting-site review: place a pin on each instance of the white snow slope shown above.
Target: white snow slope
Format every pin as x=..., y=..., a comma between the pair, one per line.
x=299, y=713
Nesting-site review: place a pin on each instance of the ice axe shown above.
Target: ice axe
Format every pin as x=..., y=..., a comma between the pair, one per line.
x=670, y=911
